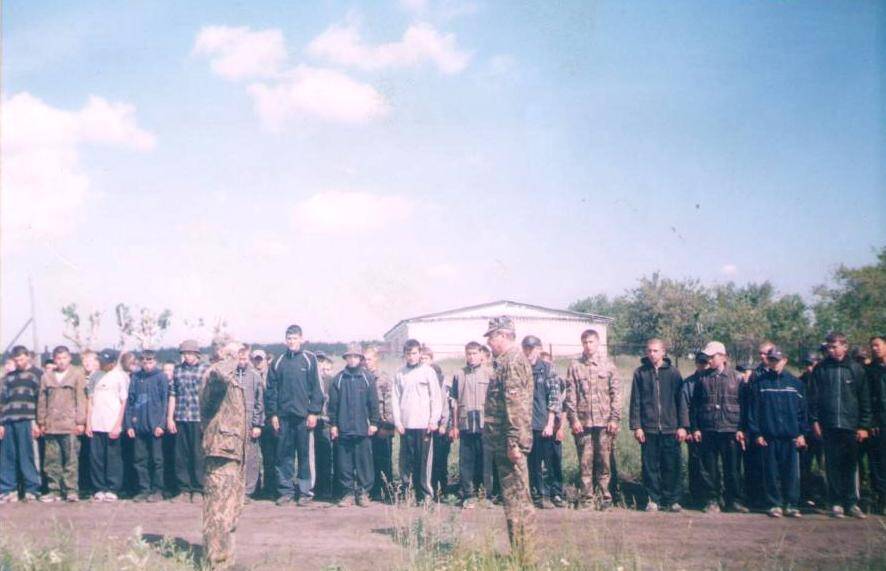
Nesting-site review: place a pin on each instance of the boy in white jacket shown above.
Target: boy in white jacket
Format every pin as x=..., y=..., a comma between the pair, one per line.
x=417, y=404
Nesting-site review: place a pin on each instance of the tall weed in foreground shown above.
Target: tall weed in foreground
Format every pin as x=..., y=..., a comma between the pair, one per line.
x=58, y=551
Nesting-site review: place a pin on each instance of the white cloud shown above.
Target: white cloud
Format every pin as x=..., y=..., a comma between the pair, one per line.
x=325, y=94
x=337, y=212
x=421, y=43
x=43, y=183
x=443, y=10
x=240, y=53
x=729, y=270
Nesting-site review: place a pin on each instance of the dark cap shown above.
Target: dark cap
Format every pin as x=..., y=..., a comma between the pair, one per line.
x=774, y=354
x=700, y=357
x=503, y=323
x=353, y=349
x=741, y=368
x=531, y=342
x=810, y=359
x=108, y=356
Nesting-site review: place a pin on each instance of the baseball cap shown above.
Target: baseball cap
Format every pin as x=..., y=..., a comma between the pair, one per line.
x=259, y=353
x=701, y=357
x=774, y=354
x=531, y=342
x=714, y=348
x=353, y=349
x=108, y=356
x=500, y=323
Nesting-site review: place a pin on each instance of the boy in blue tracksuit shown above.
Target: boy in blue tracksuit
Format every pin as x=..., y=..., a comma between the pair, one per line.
x=353, y=419
x=145, y=422
x=777, y=421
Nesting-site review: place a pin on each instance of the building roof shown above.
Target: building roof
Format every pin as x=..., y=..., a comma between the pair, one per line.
x=505, y=307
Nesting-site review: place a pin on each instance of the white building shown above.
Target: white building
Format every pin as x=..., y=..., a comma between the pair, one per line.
x=447, y=332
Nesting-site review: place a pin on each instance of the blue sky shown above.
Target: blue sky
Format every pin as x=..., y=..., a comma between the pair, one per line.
x=345, y=165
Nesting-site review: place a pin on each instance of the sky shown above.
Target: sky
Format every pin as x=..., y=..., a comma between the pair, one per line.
x=345, y=165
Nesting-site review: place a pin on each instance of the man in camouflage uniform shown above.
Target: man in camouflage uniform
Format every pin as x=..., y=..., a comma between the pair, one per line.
x=508, y=432
x=225, y=430
x=593, y=407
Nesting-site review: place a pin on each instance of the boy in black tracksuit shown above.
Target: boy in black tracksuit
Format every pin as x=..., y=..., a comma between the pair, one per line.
x=655, y=392
x=776, y=422
x=294, y=402
x=353, y=419
x=840, y=411
x=877, y=383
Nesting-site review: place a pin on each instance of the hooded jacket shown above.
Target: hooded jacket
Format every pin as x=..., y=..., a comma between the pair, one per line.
x=353, y=402
x=838, y=395
x=877, y=383
x=655, y=394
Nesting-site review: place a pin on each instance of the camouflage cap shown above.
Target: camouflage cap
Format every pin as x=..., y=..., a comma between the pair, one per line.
x=353, y=349
x=498, y=324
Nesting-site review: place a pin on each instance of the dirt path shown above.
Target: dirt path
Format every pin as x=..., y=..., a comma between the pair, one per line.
x=324, y=536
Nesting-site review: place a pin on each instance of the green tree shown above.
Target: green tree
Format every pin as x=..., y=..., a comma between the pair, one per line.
x=856, y=304
x=601, y=305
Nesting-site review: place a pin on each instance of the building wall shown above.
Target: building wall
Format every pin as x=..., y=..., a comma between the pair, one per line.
x=447, y=337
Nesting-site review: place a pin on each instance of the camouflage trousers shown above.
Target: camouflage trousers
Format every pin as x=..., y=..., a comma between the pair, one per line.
x=223, y=489
x=253, y=465
x=60, y=462
x=519, y=511
x=594, y=447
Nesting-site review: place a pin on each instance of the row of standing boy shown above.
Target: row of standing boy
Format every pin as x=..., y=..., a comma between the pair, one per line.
x=776, y=424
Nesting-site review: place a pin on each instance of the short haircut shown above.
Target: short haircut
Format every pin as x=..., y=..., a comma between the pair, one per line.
x=20, y=350
x=425, y=350
x=48, y=362
x=60, y=350
x=545, y=355
x=473, y=346
x=410, y=345
x=148, y=354
x=293, y=330
x=127, y=358
x=323, y=359
x=871, y=340
x=372, y=349
x=485, y=350
x=167, y=362
x=836, y=337
x=589, y=333
x=657, y=341
x=765, y=345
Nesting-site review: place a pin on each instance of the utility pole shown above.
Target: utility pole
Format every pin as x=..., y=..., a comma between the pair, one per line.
x=33, y=316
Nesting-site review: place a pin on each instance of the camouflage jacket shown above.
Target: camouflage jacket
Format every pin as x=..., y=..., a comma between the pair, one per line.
x=508, y=410
x=61, y=404
x=223, y=412
x=593, y=392
x=385, y=402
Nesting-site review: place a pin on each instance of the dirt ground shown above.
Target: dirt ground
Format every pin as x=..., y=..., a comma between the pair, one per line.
x=324, y=536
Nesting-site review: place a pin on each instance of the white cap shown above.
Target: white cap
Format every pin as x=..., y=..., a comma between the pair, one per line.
x=714, y=348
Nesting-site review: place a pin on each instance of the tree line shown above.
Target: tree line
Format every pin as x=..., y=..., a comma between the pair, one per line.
x=686, y=313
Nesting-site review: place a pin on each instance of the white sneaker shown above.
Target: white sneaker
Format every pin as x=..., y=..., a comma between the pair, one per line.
x=651, y=506
x=837, y=512
x=98, y=497
x=110, y=497
x=9, y=498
